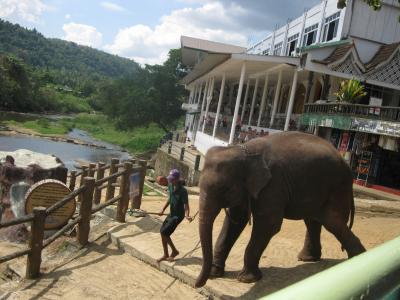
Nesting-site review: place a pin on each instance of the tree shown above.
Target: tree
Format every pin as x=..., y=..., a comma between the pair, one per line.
x=350, y=91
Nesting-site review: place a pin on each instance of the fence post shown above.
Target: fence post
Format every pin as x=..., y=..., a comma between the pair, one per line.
x=72, y=180
x=182, y=156
x=92, y=169
x=83, y=175
x=99, y=175
x=197, y=162
x=137, y=201
x=169, y=147
x=123, y=203
x=177, y=137
x=85, y=211
x=110, y=187
x=36, y=243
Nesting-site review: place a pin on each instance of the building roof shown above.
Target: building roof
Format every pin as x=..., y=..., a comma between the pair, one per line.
x=339, y=53
x=384, y=53
x=194, y=48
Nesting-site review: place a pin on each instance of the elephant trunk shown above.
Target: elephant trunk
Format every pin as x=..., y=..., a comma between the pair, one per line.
x=206, y=221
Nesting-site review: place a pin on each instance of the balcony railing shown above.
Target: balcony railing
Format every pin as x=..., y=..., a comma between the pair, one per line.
x=387, y=113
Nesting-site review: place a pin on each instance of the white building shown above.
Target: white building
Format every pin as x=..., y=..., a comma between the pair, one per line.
x=288, y=81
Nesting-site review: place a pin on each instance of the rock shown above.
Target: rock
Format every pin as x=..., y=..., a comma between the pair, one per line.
x=18, y=171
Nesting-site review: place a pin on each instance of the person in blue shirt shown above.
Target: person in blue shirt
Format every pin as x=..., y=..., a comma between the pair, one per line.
x=179, y=209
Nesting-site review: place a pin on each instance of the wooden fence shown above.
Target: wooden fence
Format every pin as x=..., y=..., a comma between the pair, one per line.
x=89, y=195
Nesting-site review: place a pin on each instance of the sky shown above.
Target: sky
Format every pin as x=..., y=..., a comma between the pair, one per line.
x=145, y=30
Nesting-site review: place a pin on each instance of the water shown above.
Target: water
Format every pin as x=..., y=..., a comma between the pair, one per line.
x=69, y=153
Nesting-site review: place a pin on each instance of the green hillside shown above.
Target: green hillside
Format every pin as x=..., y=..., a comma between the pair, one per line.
x=65, y=58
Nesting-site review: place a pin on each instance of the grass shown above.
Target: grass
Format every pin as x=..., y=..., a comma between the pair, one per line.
x=41, y=126
x=138, y=140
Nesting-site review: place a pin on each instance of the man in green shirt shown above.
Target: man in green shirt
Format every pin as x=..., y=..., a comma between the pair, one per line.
x=179, y=209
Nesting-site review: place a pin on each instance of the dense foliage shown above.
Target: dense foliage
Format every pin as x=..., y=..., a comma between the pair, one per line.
x=153, y=95
x=50, y=75
x=66, y=62
x=26, y=89
x=350, y=91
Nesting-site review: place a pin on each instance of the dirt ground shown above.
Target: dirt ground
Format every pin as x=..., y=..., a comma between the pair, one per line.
x=102, y=271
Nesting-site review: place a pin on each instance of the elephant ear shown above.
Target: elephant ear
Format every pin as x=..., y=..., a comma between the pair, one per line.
x=258, y=175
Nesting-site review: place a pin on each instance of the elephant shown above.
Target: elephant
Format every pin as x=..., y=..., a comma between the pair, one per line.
x=290, y=175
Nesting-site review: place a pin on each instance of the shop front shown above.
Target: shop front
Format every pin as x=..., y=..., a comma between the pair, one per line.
x=370, y=147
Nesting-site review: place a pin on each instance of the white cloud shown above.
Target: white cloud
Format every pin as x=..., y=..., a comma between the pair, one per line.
x=112, y=6
x=25, y=10
x=212, y=21
x=68, y=16
x=82, y=34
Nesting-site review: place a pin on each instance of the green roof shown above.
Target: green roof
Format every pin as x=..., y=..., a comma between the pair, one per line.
x=323, y=45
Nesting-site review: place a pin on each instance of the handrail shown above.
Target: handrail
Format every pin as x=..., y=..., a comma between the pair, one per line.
x=105, y=204
x=105, y=179
x=14, y=255
x=371, y=275
x=89, y=204
x=21, y=220
x=390, y=113
x=65, y=200
x=60, y=232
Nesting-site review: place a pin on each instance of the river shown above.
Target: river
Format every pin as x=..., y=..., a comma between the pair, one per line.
x=69, y=153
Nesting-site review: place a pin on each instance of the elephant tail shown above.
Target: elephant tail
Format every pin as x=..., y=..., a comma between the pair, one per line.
x=352, y=211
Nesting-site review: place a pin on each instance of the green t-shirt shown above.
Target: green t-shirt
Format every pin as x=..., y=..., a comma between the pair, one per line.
x=177, y=200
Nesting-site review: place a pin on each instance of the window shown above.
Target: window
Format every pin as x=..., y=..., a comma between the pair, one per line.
x=330, y=27
x=310, y=35
x=265, y=52
x=291, y=44
x=278, y=48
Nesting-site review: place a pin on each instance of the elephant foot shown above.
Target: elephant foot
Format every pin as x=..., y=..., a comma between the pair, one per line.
x=249, y=276
x=307, y=255
x=217, y=271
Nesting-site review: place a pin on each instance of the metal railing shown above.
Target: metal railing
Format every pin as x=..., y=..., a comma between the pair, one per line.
x=387, y=113
x=374, y=274
x=89, y=196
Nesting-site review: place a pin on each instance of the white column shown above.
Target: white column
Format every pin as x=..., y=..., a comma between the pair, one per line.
x=276, y=98
x=291, y=100
x=209, y=98
x=303, y=25
x=221, y=96
x=238, y=97
x=245, y=100
x=321, y=23
x=203, y=102
x=253, y=101
x=199, y=93
x=264, y=96
x=191, y=95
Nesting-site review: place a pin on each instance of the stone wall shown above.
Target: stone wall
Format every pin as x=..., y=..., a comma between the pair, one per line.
x=165, y=162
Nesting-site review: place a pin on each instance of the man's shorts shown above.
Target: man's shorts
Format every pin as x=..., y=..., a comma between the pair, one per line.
x=169, y=225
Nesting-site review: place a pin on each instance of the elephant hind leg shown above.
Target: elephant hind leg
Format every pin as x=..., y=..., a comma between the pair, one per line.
x=312, y=244
x=338, y=227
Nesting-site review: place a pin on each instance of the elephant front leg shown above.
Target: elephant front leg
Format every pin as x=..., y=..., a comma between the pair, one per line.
x=264, y=229
x=231, y=229
x=312, y=243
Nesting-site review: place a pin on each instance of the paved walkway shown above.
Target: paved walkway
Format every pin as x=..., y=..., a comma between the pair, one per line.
x=140, y=237
x=101, y=271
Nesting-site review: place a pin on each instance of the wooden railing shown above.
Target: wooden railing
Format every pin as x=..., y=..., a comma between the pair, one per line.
x=183, y=154
x=89, y=195
x=387, y=113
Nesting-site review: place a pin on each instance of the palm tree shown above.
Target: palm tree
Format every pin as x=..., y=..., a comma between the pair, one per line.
x=350, y=91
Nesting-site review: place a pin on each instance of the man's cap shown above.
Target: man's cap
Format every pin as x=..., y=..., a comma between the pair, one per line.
x=173, y=174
